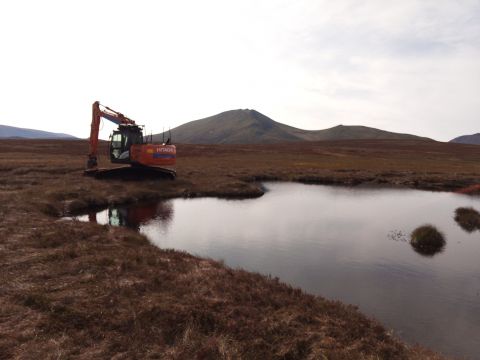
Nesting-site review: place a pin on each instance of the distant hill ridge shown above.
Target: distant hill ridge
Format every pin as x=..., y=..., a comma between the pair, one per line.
x=246, y=126
x=13, y=132
x=467, y=139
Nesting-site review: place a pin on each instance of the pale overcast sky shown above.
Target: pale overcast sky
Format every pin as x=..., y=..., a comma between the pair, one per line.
x=406, y=66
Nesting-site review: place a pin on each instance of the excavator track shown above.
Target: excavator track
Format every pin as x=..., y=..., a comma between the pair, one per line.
x=132, y=173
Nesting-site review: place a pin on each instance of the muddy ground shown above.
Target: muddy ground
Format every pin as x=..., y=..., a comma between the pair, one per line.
x=82, y=290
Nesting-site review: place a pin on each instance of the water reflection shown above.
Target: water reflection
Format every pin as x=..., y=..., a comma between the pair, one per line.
x=134, y=216
x=336, y=242
x=428, y=251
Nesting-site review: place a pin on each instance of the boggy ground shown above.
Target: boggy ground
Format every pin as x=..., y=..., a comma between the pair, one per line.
x=82, y=290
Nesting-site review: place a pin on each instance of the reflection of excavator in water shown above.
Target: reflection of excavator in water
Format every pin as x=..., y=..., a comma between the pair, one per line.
x=128, y=146
x=135, y=215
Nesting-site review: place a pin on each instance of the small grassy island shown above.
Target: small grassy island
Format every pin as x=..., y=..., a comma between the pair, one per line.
x=468, y=218
x=427, y=240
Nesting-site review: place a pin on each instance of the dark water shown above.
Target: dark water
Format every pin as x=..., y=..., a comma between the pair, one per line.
x=348, y=244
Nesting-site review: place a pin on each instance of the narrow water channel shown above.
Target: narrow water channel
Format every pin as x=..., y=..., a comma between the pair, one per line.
x=349, y=244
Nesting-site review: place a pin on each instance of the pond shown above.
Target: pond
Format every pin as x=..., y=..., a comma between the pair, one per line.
x=349, y=244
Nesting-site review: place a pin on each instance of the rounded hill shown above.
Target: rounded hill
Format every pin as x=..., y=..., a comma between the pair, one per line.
x=246, y=126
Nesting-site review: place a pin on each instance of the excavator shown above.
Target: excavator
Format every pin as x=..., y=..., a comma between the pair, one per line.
x=128, y=146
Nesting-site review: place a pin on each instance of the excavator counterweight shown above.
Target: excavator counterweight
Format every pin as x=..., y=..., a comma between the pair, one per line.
x=128, y=146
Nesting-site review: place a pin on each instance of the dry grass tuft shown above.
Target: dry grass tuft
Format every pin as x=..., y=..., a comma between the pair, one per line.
x=427, y=240
x=468, y=218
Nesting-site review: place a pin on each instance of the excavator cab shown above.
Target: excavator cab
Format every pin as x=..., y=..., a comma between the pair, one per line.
x=121, y=141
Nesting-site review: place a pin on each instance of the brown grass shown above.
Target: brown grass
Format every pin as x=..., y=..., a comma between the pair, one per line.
x=81, y=290
x=468, y=218
x=427, y=240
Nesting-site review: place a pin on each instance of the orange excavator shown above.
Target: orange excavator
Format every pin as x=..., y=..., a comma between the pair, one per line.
x=128, y=146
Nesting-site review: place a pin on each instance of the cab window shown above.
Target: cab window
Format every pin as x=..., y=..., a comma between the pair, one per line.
x=117, y=141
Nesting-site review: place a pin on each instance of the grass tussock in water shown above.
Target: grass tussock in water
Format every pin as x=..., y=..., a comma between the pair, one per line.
x=468, y=218
x=427, y=240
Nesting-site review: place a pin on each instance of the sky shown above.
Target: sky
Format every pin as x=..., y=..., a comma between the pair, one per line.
x=408, y=66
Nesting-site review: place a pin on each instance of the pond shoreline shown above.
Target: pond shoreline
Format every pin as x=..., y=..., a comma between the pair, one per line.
x=159, y=220
x=253, y=188
x=87, y=248
x=80, y=289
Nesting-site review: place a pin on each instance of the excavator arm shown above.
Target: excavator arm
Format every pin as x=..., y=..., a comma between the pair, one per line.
x=98, y=113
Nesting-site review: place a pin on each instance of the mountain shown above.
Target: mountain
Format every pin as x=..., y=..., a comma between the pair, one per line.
x=348, y=132
x=16, y=132
x=234, y=127
x=252, y=127
x=467, y=139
